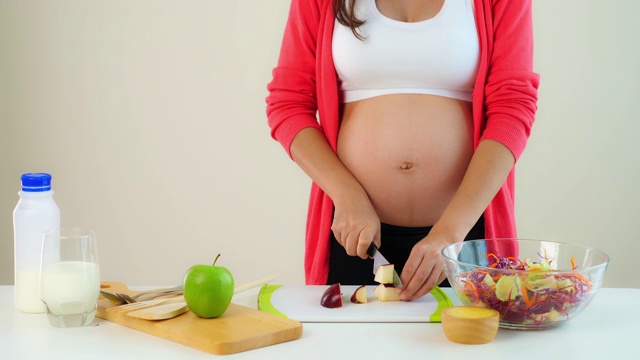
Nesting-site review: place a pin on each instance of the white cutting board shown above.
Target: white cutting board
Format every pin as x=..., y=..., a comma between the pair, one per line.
x=302, y=303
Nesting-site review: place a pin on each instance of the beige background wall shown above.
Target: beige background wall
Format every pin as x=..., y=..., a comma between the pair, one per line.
x=150, y=116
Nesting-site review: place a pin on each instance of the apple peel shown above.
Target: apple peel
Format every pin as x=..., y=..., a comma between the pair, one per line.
x=359, y=295
x=332, y=297
x=208, y=289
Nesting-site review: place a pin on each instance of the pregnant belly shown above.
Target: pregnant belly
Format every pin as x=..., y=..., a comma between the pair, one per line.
x=409, y=152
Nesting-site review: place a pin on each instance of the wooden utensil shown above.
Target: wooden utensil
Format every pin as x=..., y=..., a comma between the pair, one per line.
x=469, y=324
x=146, y=304
x=252, y=284
x=116, y=288
x=238, y=329
x=160, y=312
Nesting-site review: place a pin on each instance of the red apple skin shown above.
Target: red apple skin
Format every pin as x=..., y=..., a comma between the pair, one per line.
x=359, y=295
x=332, y=297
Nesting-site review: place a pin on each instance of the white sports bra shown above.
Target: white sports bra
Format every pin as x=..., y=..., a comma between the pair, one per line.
x=438, y=56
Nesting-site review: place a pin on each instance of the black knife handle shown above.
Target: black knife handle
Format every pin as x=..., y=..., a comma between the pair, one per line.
x=372, y=250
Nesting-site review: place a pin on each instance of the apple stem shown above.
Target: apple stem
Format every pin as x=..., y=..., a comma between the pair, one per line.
x=216, y=259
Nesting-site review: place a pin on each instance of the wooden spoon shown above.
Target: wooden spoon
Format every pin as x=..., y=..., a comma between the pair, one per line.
x=160, y=312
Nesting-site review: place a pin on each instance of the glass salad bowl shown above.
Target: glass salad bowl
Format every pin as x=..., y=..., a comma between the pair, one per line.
x=533, y=284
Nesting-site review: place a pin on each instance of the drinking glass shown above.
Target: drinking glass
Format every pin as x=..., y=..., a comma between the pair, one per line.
x=70, y=276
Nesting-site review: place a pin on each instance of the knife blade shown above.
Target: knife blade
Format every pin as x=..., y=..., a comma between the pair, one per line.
x=378, y=260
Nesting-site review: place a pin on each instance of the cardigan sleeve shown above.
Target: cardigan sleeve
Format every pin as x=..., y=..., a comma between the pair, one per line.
x=511, y=89
x=292, y=99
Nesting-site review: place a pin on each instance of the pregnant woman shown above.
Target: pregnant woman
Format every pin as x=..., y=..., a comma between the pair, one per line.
x=409, y=116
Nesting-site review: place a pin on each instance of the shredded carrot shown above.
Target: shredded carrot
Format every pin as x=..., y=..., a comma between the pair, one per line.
x=585, y=280
x=524, y=295
x=531, y=302
x=496, y=258
x=526, y=283
x=472, y=288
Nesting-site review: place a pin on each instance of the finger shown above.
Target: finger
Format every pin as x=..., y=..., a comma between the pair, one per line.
x=376, y=241
x=410, y=267
x=351, y=244
x=364, y=240
x=423, y=280
x=437, y=274
x=337, y=235
x=377, y=238
x=426, y=285
x=413, y=277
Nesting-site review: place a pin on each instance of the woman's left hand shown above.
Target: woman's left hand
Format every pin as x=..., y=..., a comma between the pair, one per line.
x=424, y=268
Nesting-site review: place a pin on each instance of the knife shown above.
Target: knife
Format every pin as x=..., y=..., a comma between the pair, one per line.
x=379, y=260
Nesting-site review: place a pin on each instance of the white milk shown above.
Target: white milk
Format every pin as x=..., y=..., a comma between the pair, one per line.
x=35, y=213
x=27, y=289
x=70, y=287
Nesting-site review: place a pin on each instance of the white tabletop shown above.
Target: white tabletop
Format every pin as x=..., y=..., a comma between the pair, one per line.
x=607, y=329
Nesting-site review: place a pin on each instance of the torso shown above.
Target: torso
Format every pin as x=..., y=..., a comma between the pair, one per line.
x=408, y=150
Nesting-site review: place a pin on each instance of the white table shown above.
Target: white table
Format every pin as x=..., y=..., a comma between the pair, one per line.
x=607, y=329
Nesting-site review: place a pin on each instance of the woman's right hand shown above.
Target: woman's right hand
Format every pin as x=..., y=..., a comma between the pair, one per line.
x=356, y=225
x=355, y=222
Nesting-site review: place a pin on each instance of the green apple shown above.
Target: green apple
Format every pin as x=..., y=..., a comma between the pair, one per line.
x=208, y=289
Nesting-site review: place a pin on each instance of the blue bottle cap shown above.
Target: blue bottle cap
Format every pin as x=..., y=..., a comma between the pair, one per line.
x=36, y=182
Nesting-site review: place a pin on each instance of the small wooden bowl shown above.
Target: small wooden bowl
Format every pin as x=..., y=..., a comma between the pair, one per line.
x=470, y=324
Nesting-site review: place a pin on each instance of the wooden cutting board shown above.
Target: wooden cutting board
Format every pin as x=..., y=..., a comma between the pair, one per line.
x=238, y=329
x=302, y=303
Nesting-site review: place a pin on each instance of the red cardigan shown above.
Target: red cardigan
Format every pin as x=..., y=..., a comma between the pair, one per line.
x=504, y=102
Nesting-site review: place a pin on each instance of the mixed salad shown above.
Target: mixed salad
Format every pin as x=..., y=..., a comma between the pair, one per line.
x=532, y=294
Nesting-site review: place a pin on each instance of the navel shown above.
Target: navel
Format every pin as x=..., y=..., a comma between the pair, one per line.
x=406, y=166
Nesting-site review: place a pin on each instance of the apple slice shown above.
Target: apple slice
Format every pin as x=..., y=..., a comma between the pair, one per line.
x=332, y=297
x=360, y=295
x=384, y=274
x=386, y=292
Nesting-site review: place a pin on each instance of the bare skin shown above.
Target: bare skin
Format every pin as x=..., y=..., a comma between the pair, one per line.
x=409, y=152
x=409, y=10
x=407, y=160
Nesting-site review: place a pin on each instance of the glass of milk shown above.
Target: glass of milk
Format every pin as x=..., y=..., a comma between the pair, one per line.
x=70, y=276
